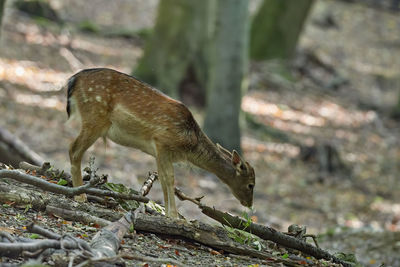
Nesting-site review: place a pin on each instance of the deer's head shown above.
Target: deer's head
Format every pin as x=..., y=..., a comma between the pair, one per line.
x=243, y=181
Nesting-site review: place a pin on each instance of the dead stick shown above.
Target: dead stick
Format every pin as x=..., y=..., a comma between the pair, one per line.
x=259, y=230
x=215, y=237
x=12, y=250
x=269, y=233
x=108, y=240
x=148, y=184
x=34, y=228
x=20, y=147
x=46, y=170
x=73, y=215
x=32, y=180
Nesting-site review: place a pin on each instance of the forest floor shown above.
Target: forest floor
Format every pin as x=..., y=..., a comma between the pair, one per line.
x=346, y=105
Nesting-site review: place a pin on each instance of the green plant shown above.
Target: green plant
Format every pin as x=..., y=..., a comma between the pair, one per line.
x=120, y=188
x=243, y=237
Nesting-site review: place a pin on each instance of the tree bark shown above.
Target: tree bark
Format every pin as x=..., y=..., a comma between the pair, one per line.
x=398, y=104
x=178, y=46
x=2, y=2
x=276, y=28
x=227, y=68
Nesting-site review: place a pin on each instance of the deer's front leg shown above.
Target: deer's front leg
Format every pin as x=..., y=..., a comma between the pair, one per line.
x=166, y=176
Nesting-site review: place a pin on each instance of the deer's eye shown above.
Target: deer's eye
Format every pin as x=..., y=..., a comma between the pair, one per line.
x=250, y=186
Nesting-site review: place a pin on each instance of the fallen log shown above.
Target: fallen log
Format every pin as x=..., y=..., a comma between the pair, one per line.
x=13, y=150
x=262, y=231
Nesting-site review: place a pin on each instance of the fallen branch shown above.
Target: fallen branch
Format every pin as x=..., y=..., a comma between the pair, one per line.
x=268, y=233
x=148, y=184
x=13, y=150
x=44, y=185
x=13, y=250
x=7, y=236
x=36, y=229
x=264, y=232
x=76, y=216
x=108, y=240
x=39, y=200
x=47, y=170
x=105, y=244
x=215, y=237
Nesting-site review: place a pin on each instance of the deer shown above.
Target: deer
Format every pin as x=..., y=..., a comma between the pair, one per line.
x=129, y=112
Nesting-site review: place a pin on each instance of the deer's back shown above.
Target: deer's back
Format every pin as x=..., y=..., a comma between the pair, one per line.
x=135, y=114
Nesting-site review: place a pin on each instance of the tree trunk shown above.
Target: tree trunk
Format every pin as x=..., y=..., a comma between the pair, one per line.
x=2, y=2
x=397, y=109
x=276, y=28
x=227, y=67
x=177, y=47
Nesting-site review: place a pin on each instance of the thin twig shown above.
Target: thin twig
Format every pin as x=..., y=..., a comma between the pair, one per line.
x=182, y=196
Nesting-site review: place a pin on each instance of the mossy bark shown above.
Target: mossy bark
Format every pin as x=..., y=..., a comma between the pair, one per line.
x=276, y=28
x=227, y=67
x=177, y=46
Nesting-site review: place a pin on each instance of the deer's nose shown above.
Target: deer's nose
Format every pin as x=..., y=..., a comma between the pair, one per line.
x=246, y=204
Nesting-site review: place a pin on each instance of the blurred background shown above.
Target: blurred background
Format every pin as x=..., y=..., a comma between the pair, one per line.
x=308, y=91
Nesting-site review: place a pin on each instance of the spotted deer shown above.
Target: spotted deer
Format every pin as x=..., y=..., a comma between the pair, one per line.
x=131, y=113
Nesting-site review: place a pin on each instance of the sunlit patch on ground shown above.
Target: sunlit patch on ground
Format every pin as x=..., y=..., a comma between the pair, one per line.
x=263, y=108
x=28, y=74
x=36, y=100
x=252, y=144
x=318, y=115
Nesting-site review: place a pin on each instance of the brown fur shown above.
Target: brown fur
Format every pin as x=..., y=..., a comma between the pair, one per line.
x=129, y=112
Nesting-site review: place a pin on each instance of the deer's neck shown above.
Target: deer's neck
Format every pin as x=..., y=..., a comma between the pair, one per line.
x=207, y=156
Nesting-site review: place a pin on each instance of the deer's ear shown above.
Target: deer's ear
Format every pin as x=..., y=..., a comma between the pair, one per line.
x=236, y=160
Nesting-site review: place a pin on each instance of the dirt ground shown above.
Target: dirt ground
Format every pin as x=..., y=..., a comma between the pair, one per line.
x=354, y=210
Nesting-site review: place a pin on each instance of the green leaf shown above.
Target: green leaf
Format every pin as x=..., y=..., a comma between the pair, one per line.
x=62, y=182
x=120, y=188
x=27, y=207
x=34, y=236
x=285, y=256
